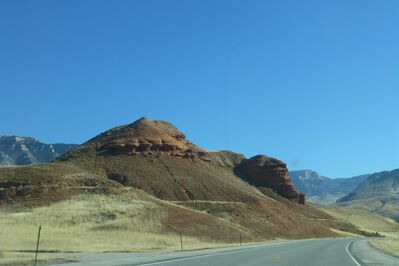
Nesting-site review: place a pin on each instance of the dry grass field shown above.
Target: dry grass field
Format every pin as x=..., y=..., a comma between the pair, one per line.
x=388, y=245
x=132, y=220
x=24, y=259
x=371, y=222
x=124, y=222
x=95, y=223
x=365, y=220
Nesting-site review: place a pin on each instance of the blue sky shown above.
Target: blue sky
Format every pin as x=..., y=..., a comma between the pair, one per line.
x=314, y=83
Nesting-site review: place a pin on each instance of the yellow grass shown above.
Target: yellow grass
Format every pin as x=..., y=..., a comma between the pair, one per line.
x=130, y=220
x=389, y=245
x=365, y=220
x=22, y=259
x=94, y=223
x=373, y=223
x=344, y=233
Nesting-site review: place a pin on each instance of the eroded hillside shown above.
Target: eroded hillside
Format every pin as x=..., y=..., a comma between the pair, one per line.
x=178, y=187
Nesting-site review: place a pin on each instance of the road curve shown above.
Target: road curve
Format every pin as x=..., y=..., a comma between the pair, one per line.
x=320, y=252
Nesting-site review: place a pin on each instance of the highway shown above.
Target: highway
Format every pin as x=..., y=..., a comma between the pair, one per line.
x=320, y=252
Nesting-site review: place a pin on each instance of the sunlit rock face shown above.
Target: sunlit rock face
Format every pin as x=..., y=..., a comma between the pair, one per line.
x=150, y=137
x=263, y=171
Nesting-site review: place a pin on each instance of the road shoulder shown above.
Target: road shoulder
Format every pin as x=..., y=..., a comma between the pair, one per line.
x=365, y=254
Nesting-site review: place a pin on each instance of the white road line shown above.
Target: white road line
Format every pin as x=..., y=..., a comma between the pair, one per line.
x=189, y=258
x=350, y=255
x=216, y=253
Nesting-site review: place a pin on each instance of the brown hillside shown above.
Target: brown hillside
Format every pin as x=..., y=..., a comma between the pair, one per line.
x=155, y=158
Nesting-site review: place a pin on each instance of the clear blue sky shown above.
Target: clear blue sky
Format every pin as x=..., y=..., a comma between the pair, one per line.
x=314, y=83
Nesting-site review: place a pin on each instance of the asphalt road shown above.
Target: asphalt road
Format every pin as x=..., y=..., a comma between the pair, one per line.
x=322, y=252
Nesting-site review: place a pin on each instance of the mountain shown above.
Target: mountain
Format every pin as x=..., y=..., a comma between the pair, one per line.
x=324, y=190
x=179, y=169
x=379, y=193
x=203, y=193
x=15, y=150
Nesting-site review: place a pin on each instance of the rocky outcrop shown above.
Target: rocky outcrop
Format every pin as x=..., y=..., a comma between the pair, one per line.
x=262, y=171
x=149, y=137
x=38, y=184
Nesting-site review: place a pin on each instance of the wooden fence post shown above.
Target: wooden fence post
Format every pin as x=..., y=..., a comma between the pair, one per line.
x=37, y=243
x=181, y=242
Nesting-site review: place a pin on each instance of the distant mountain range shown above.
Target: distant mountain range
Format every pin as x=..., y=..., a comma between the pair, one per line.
x=321, y=189
x=379, y=193
x=16, y=150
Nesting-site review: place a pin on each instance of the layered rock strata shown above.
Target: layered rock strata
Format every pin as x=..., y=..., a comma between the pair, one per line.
x=262, y=171
x=149, y=137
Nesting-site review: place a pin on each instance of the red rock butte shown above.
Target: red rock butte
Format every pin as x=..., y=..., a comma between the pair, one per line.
x=150, y=137
x=262, y=171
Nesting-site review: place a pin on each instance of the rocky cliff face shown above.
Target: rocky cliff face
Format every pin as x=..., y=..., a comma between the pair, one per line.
x=262, y=171
x=15, y=150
